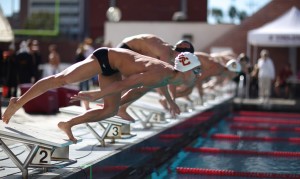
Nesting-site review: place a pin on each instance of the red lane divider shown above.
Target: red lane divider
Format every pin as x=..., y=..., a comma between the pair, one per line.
x=243, y=152
x=170, y=136
x=148, y=149
x=253, y=138
x=264, y=120
x=216, y=172
x=111, y=168
x=264, y=128
x=191, y=122
x=267, y=114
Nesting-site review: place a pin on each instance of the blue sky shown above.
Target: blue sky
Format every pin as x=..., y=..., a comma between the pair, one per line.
x=8, y=6
x=250, y=6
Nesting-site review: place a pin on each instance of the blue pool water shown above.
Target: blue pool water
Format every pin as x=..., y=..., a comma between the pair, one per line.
x=237, y=162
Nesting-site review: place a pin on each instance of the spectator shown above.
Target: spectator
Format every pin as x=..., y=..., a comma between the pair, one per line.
x=266, y=74
x=24, y=64
x=244, y=61
x=83, y=86
x=281, y=81
x=10, y=72
x=1, y=67
x=253, y=86
x=53, y=66
x=88, y=50
x=88, y=47
x=34, y=51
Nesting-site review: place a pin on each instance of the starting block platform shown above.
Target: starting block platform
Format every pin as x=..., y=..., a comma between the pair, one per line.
x=45, y=147
x=148, y=114
x=184, y=105
x=115, y=128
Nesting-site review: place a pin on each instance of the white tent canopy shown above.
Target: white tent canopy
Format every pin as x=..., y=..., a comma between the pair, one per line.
x=282, y=32
x=6, y=33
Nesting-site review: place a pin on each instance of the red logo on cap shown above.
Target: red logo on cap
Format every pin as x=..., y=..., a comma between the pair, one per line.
x=184, y=60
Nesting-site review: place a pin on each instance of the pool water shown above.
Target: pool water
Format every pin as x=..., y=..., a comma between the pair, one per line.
x=277, y=156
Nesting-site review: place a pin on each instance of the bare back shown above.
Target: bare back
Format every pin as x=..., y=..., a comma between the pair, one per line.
x=151, y=45
x=208, y=65
x=129, y=62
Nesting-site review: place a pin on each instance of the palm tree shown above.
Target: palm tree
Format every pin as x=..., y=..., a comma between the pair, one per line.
x=217, y=14
x=233, y=13
x=242, y=15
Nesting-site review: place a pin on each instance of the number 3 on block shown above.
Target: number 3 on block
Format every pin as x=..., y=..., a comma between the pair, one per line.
x=43, y=156
x=114, y=131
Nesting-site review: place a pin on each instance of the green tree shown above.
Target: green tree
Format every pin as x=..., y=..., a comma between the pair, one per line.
x=217, y=14
x=40, y=20
x=233, y=13
x=242, y=15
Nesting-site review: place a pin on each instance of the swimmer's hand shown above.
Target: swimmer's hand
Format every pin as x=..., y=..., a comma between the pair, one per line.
x=84, y=96
x=174, y=109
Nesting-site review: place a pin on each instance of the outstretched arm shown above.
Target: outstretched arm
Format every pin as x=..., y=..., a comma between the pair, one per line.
x=133, y=81
x=174, y=109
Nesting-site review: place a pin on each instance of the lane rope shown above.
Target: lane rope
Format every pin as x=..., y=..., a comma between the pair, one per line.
x=216, y=172
x=243, y=152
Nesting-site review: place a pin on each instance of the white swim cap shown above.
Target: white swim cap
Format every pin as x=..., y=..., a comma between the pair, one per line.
x=234, y=66
x=186, y=61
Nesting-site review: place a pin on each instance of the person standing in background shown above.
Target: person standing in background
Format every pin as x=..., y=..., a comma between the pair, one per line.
x=24, y=64
x=266, y=74
x=242, y=75
x=282, y=81
x=10, y=72
x=88, y=47
x=88, y=50
x=80, y=56
x=53, y=66
x=34, y=51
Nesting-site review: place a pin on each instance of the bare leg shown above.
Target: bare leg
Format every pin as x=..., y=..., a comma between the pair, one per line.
x=110, y=108
x=123, y=113
x=75, y=73
x=128, y=98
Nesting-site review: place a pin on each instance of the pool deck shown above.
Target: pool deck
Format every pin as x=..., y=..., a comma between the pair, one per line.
x=88, y=151
x=274, y=104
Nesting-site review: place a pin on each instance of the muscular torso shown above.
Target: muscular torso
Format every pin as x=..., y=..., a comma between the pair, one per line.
x=152, y=46
x=208, y=65
x=130, y=63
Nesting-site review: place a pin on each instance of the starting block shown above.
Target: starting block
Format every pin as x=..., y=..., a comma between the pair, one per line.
x=148, y=114
x=115, y=128
x=182, y=104
x=44, y=147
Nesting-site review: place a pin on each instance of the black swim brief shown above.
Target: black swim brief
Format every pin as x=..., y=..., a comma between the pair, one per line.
x=102, y=56
x=124, y=45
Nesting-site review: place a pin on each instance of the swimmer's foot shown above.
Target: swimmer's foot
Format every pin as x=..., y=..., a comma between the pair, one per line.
x=125, y=115
x=164, y=103
x=86, y=105
x=101, y=105
x=11, y=110
x=64, y=126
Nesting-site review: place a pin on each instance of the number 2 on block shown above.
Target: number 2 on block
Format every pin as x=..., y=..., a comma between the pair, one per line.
x=43, y=156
